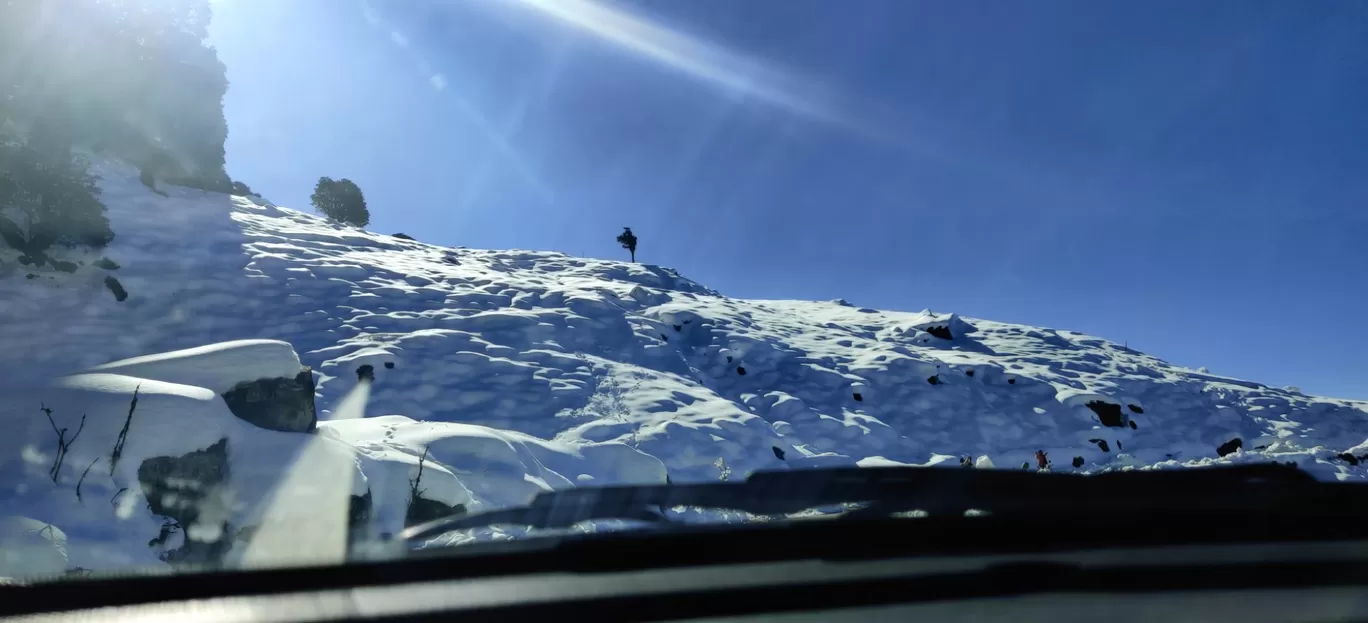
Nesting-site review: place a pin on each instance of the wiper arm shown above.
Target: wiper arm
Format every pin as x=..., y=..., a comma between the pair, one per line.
x=934, y=490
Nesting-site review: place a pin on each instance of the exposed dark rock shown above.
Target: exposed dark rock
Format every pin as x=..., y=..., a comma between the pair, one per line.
x=677, y=328
x=1230, y=447
x=666, y=339
x=1132, y=425
x=365, y=372
x=1349, y=458
x=1011, y=381
x=934, y=379
x=178, y=488
x=358, y=516
x=421, y=509
x=1109, y=413
x=175, y=486
x=1119, y=447
x=403, y=236
x=106, y=264
x=117, y=288
x=1101, y=443
x=941, y=332
x=1077, y=462
x=969, y=373
x=1135, y=409
x=33, y=276
x=389, y=365
x=741, y=370
x=729, y=358
x=858, y=397
x=64, y=266
x=778, y=452
x=283, y=404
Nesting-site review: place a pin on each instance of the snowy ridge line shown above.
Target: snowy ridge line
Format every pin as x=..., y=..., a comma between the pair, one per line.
x=499, y=374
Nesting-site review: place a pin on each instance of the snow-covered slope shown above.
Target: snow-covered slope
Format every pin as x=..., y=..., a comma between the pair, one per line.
x=519, y=371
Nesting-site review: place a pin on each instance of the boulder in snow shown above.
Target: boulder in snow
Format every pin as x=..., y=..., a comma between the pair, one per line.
x=283, y=404
x=1108, y=413
x=943, y=326
x=115, y=288
x=185, y=489
x=422, y=510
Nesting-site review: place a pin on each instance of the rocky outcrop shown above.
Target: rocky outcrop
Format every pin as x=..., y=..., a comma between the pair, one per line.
x=283, y=404
x=185, y=489
x=1110, y=414
x=940, y=331
x=358, y=517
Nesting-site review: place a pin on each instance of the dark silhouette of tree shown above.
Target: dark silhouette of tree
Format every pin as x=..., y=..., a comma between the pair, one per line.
x=628, y=240
x=46, y=197
x=341, y=200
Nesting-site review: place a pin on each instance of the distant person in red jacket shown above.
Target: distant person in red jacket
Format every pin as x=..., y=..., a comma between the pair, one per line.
x=1041, y=460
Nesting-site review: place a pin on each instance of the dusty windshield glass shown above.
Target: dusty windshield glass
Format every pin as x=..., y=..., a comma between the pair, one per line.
x=281, y=279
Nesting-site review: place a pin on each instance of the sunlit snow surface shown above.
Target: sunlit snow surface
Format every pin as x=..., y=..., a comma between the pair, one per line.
x=523, y=371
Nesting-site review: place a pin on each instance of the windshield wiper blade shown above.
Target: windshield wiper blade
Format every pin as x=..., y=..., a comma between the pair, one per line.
x=934, y=490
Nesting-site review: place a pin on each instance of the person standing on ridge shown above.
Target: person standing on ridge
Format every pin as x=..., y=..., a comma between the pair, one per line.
x=1042, y=461
x=628, y=241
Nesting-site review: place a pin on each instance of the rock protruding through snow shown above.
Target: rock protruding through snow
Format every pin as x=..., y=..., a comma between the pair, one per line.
x=189, y=491
x=283, y=404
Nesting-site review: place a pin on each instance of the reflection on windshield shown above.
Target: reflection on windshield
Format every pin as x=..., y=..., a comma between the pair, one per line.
x=196, y=377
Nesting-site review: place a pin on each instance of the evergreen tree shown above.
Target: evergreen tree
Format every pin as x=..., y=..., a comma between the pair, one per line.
x=341, y=200
x=128, y=78
x=47, y=197
x=628, y=240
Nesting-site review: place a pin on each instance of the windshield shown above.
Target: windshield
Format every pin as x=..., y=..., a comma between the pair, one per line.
x=283, y=279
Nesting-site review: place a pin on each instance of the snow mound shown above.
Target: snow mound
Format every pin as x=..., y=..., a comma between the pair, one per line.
x=32, y=548
x=522, y=371
x=215, y=366
x=476, y=467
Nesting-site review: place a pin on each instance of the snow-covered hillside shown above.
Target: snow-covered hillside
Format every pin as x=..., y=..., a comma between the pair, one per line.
x=519, y=371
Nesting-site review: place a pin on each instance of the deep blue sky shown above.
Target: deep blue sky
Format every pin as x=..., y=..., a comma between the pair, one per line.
x=1189, y=177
